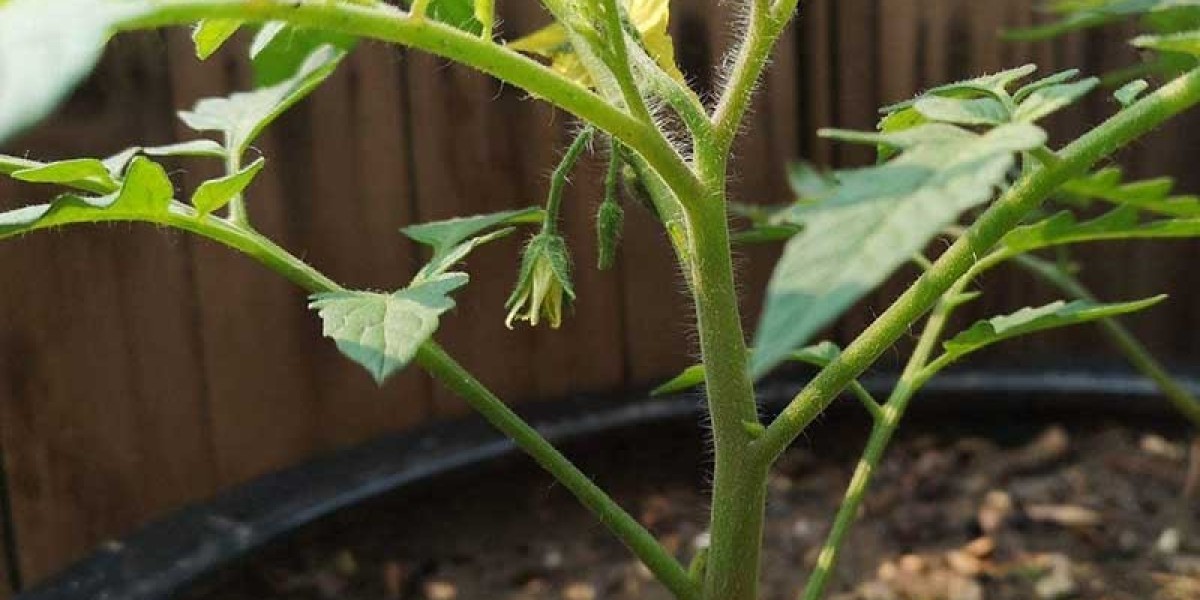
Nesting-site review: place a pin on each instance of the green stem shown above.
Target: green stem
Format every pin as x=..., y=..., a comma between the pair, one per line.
x=386, y=23
x=619, y=62
x=1001, y=217
x=440, y=365
x=443, y=368
x=739, y=483
x=1120, y=336
x=237, y=206
x=911, y=380
x=558, y=181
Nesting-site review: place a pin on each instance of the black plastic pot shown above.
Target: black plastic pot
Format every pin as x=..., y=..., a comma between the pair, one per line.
x=173, y=553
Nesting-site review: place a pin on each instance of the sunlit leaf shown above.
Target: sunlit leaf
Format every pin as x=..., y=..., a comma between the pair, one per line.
x=216, y=193
x=279, y=50
x=210, y=34
x=382, y=332
x=242, y=116
x=1128, y=93
x=1049, y=99
x=453, y=239
x=1032, y=320
x=46, y=47
x=876, y=220
x=82, y=173
x=1083, y=15
x=1122, y=223
x=1151, y=195
x=145, y=195
x=1187, y=42
x=962, y=111
x=207, y=148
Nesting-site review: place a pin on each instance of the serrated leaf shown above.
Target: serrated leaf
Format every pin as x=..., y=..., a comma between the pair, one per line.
x=1048, y=100
x=216, y=193
x=1084, y=15
x=962, y=111
x=1122, y=223
x=995, y=85
x=145, y=195
x=83, y=173
x=278, y=50
x=242, y=116
x=46, y=48
x=1060, y=77
x=818, y=355
x=1187, y=42
x=876, y=220
x=1128, y=93
x=1151, y=195
x=382, y=332
x=210, y=34
x=1032, y=320
x=453, y=239
x=207, y=148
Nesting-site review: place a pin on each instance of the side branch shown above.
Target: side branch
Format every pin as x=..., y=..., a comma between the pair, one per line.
x=1128, y=125
x=386, y=23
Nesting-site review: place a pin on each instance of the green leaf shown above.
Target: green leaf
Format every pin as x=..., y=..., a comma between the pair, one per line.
x=1032, y=320
x=1128, y=93
x=46, y=47
x=1049, y=99
x=1187, y=42
x=453, y=239
x=206, y=148
x=216, y=193
x=995, y=85
x=960, y=111
x=456, y=13
x=1094, y=13
x=382, y=332
x=85, y=173
x=242, y=116
x=1121, y=223
x=1151, y=195
x=808, y=182
x=874, y=223
x=145, y=195
x=1055, y=79
x=278, y=50
x=210, y=34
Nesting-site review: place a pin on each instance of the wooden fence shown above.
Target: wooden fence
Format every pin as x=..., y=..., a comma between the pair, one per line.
x=143, y=369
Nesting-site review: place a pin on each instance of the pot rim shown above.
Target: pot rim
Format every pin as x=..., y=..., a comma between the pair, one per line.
x=170, y=553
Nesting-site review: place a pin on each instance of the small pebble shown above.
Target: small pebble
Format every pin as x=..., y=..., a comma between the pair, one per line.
x=579, y=591
x=440, y=590
x=1056, y=583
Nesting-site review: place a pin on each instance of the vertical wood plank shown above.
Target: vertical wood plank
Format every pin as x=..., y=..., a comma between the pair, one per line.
x=263, y=405
x=101, y=405
x=470, y=157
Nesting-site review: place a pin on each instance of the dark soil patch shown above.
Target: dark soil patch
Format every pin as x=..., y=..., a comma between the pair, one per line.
x=1029, y=511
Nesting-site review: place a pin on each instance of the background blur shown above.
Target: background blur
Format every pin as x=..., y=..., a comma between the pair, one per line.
x=143, y=369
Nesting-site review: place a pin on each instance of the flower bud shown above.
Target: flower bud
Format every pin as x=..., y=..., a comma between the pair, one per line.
x=544, y=279
x=609, y=222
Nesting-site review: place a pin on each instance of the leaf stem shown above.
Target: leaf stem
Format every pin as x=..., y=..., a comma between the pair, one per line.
x=562, y=174
x=442, y=367
x=1006, y=213
x=619, y=60
x=1120, y=336
x=911, y=380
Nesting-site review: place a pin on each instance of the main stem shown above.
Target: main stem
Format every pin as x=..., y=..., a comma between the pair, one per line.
x=739, y=482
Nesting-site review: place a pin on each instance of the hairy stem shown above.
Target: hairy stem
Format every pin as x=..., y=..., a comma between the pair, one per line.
x=558, y=181
x=1001, y=217
x=739, y=483
x=884, y=427
x=1120, y=336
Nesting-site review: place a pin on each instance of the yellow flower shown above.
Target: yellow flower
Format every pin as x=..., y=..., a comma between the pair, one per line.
x=649, y=17
x=544, y=280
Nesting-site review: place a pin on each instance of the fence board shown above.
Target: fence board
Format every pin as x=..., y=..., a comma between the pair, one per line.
x=139, y=370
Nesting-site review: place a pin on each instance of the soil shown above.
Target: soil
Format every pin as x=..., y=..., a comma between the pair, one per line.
x=958, y=511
